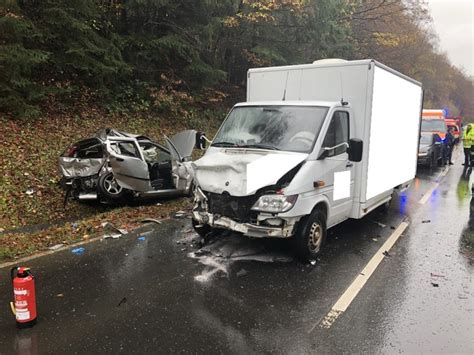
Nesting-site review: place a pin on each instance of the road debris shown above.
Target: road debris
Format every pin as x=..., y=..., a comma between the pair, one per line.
x=60, y=295
x=55, y=247
x=122, y=301
x=379, y=224
x=313, y=262
x=150, y=220
x=436, y=275
x=141, y=238
x=375, y=239
x=78, y=251
x=30, y=191
x=386, y=253
x=434, y=284
x=426, y=221
x=113, y=231
x=179, y=214
x=241, y=273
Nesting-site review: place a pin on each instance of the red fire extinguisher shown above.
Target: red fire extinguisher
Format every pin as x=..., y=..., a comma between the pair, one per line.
x=24, y=294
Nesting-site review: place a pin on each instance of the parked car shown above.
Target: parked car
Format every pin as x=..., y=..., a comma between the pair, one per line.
x=116, y=166
x=430, y=151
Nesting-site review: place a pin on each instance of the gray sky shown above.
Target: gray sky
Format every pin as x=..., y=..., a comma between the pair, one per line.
x=453, y=21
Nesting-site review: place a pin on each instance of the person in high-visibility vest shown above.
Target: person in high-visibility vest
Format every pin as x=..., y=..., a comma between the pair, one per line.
x=467, y=140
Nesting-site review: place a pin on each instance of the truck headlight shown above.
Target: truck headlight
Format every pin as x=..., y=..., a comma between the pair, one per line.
x=275, y=203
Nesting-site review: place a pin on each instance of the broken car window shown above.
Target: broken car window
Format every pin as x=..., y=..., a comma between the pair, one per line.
x=290, y=128
x=125, y=148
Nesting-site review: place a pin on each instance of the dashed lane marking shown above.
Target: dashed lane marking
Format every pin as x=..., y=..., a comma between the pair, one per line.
x=351, y=292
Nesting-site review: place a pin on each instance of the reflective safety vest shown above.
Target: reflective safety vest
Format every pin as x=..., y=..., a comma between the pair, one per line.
x=468, y=137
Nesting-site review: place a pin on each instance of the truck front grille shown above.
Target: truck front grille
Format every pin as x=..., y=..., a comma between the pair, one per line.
x=235, y=208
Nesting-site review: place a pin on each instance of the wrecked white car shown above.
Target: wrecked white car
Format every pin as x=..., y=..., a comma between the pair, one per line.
x=114, y=166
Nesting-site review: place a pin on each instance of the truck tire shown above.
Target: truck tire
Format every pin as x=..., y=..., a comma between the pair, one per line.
x=110, y=190
x=310, y=235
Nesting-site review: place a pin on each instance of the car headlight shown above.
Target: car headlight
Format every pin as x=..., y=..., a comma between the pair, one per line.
x=275, y=203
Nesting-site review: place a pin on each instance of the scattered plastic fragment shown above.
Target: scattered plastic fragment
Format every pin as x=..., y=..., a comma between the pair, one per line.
x=60, y=295
x=179, y=214
x=159, y=204
x=55, y=247
x=426, y=221
x=30, y=191
x=313, y=262
x=122, y=301
x=436, y=275
x=112, y=236
x=113, y=232
x=434, y=284
x=375, y=239
x=386, y=253
x=392, y=227
x=242, y=272
x=380, y=224
x=141, y=238
x=78, y=251
x=150, y=220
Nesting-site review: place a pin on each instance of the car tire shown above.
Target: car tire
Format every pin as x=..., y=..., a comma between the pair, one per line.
x=109, y=189
x=310, y=235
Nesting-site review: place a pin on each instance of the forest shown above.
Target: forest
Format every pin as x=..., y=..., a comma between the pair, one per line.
x=163, y=57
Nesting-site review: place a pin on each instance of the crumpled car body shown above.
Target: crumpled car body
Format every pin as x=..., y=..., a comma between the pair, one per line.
x=115, y=166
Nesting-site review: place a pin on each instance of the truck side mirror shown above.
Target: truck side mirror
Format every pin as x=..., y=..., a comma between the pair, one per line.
x=355, y=150
x=200, y=141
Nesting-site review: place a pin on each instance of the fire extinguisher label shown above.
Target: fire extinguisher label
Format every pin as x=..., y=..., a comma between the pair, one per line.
x=20, y=292
x=22, y=314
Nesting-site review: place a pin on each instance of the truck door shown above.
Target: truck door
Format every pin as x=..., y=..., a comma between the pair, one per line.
x=128, y=164
x=339, y=170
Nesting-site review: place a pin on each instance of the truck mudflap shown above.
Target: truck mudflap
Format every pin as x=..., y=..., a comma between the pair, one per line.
x=285, y=230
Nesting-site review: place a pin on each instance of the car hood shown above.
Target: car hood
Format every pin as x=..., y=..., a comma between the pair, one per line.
x=241, y=172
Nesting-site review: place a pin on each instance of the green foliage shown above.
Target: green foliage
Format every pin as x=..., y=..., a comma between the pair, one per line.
x=114, y=53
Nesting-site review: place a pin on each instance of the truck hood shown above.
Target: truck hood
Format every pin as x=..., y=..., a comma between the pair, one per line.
x=241, y=172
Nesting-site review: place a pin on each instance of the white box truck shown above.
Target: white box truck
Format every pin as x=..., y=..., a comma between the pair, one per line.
x=313, y=146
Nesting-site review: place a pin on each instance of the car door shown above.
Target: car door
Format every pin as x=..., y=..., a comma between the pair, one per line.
x=338, y=169
x=128, y=164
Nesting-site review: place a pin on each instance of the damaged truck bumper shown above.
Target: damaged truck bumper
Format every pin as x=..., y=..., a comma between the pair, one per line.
x=284, y=229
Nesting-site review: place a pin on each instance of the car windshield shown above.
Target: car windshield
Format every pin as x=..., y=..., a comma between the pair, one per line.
x=433, y=126
x=426, y=139
x=289, y=128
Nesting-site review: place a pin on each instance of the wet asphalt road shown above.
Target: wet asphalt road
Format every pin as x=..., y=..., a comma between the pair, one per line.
x=236, y=295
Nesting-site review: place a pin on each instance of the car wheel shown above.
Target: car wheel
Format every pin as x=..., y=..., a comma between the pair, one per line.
x=109, y=188
x=310, y=236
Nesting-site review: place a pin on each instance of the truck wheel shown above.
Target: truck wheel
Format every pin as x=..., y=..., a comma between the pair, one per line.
x=109, y=189
x=310, y=236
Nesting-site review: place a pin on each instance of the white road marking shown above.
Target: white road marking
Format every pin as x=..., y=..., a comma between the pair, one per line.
x=349, y=295
x=428, y=193
x=434, y=186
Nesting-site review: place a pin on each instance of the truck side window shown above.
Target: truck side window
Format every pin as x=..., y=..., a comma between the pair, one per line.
x=338, y=132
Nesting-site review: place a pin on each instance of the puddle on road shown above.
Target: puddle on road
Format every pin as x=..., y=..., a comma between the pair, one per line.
x=221, y=253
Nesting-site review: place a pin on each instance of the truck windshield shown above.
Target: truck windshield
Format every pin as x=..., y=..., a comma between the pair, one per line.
x=289, y=128
x=433, y=125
